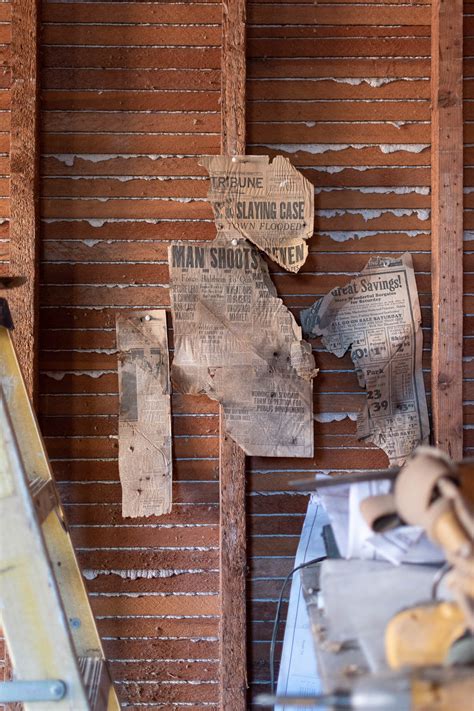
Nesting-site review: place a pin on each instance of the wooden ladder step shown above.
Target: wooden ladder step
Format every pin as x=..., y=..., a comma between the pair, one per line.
x=97, y=680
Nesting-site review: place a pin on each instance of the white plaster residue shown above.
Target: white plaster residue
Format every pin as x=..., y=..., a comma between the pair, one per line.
x=183, y=199
x=422, y=214
x=107, y=351
x=374, y=82
x=407, y=147
x=66, y=158
x=468, y=235
x=378, y=190
x=340, y=168
x=399, y=124
x=61, y=374
x=128, y=178
x=320, y=148
x=69, y=158
x=345, y=236
x=314, y=148
x=94, y=222
x=335, y=416
x=131, y=574
x=91, y=242
x=100, y=222
x=329, y=168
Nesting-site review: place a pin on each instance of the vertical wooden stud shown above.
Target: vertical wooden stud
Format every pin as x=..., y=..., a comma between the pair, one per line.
x=233, y=560
x=233, y=569
x=447, y=223
x=233, y=77
x=24, y=158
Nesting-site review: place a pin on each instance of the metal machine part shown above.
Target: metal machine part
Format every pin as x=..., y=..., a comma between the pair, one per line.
x=430, y=689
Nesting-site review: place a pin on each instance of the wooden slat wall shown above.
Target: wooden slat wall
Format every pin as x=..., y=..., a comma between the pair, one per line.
x=130, y=98
x=468, y=389
x=5, y=101
x=343, y=90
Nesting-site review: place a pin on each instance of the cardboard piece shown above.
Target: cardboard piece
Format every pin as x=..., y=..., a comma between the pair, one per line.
x=145, y=459
x=270, y=204
x=377, y=315
x=236, y=342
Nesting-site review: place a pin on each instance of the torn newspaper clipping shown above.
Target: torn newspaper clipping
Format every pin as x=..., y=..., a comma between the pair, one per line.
x=270, y=204
x=378, y=316
x=145, y=462
x=236, y=342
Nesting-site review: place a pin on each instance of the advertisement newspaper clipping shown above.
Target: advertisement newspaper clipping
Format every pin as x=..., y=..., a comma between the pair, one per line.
x=377, y=315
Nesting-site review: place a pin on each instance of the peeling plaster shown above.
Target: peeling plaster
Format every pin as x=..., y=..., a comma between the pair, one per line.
x=422, y=214
x=408, y=147
x=335, y=416
x=131, y=574
x=69, y=158
x=319, y=148
x=378, y=190
x=345, y=236
x=374, y=82
x=61, y=374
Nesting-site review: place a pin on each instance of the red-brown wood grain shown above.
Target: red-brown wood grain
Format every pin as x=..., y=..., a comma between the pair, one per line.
x=324, y=96
x=130, y=98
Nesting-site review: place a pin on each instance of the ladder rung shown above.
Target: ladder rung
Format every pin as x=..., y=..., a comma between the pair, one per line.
x=97, y=681
x=46, y=616
x=21, y=690
x=43, y=494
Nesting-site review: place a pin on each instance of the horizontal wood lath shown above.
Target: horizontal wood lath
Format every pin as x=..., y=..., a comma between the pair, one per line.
x=344, y=92
x=130, y=98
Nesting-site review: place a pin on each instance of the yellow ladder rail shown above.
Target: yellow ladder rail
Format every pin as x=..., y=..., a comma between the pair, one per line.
x=46, y=615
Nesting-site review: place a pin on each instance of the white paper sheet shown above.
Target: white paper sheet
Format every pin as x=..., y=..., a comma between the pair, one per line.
x=405, y=544
x=298, y=669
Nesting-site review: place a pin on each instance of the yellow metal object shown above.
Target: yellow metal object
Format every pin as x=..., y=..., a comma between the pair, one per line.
x=422, y=636
x=448, y=533
x=446, y=694
x=46, y=615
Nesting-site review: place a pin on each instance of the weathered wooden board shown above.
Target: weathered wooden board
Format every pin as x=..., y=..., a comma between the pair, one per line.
x=145, y=453
x=447, y=224
x=233, y=524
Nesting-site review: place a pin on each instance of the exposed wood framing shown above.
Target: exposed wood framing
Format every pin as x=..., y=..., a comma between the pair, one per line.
x=24, y=157
x=233, y=567
x=233, y=77
x=447, y=223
